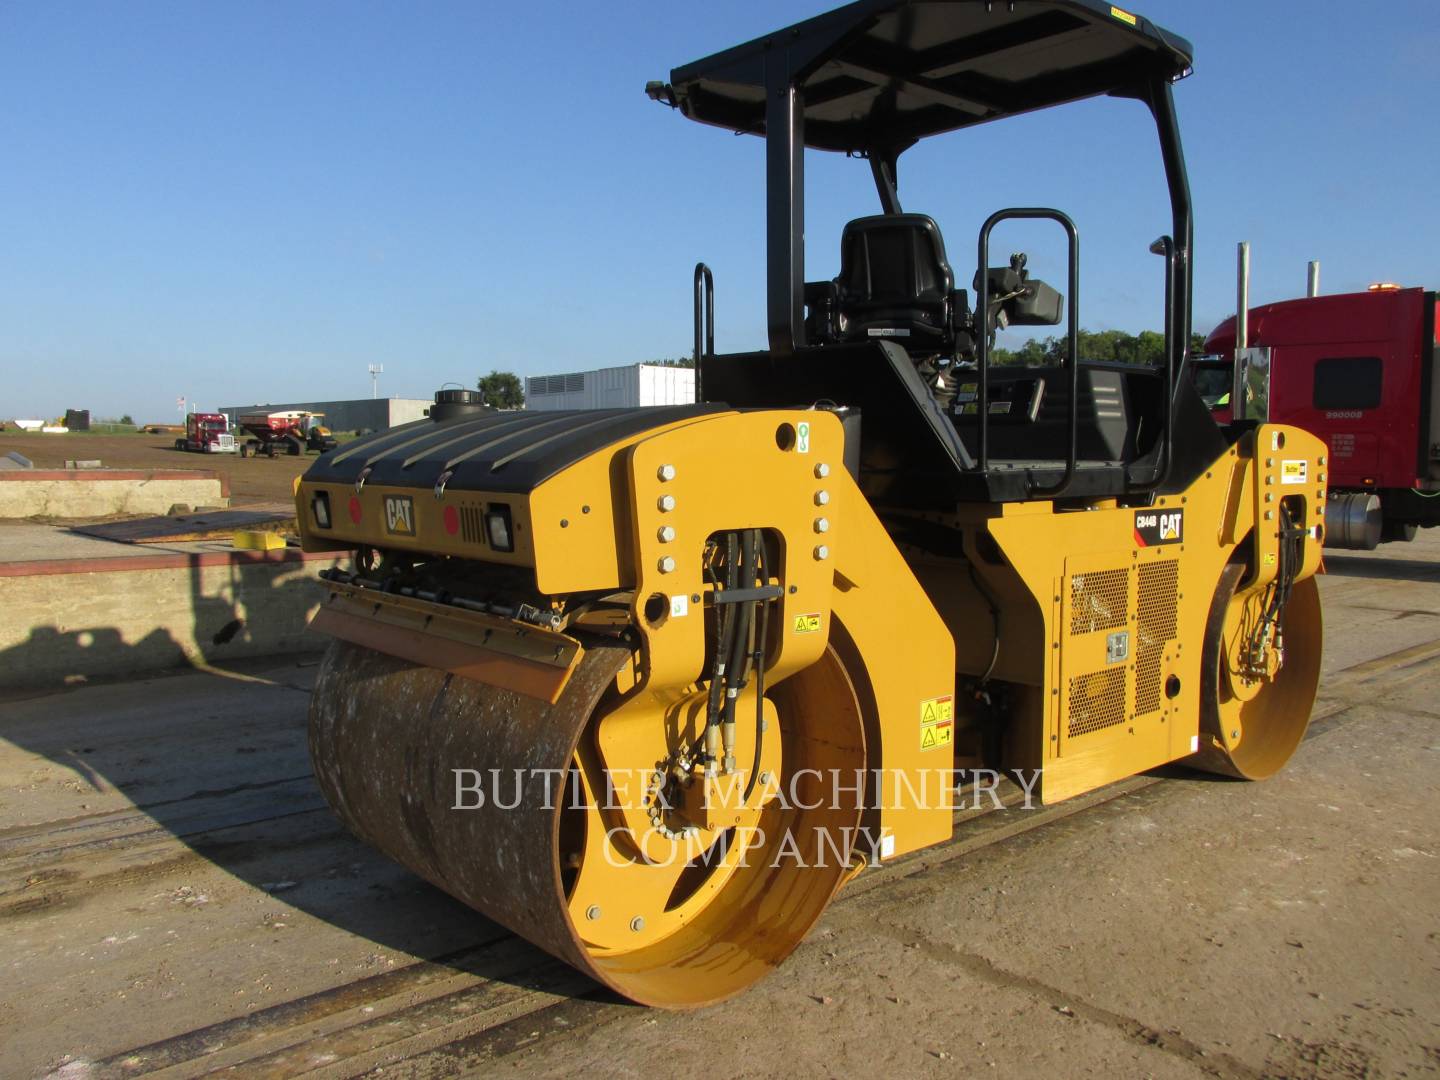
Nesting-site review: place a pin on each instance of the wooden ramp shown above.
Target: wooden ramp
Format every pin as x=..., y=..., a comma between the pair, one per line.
x=214, y=525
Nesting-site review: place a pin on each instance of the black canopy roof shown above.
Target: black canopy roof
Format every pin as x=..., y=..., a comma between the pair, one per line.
x=881, y=74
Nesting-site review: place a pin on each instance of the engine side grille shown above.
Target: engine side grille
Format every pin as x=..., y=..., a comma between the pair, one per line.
x=1099, y=601
x=1097, y=700
x=1159, y=584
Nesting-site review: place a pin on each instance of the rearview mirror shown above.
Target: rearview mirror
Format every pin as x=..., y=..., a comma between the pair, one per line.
x=1021, y=299
x=1037, y=305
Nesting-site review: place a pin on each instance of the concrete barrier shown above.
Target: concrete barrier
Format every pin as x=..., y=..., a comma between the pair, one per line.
x=97, y=493
x=64, y=621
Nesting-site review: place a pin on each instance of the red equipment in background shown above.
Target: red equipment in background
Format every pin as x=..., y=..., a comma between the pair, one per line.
x=292, y=431
x=1358, y=370
x=207, y=433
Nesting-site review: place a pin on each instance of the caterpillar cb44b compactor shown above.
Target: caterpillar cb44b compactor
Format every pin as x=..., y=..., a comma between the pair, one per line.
x=647, y=686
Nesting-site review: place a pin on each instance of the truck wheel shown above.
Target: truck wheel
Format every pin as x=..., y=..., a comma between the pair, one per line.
x=244, y=450
x=293, y=446
x=179, y=444
x=1401, y=531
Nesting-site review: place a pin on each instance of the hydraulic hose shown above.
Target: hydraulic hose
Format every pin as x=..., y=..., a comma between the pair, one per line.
x=761, y=640
x=726, y=617
x=737, y=671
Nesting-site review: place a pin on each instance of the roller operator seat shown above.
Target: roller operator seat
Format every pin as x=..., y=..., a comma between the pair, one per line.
x=894, y=282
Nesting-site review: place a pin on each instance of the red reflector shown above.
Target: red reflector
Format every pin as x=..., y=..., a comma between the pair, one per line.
x=355, y=509
x=452, y=520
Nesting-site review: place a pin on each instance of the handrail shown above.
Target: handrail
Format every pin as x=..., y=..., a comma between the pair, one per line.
x=982, y=344
x=704, y=320
x=1165, y=246
x=1162, y=105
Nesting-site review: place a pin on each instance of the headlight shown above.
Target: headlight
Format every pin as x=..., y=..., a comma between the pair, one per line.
x=497, y=527
x=320, y=506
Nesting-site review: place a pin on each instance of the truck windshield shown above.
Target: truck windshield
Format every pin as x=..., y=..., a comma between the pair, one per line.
x=1213, y=382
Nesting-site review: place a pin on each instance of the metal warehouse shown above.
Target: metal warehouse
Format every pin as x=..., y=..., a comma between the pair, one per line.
x=359, y=414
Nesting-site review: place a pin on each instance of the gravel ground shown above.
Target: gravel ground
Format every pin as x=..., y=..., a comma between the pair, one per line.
x=174, y=895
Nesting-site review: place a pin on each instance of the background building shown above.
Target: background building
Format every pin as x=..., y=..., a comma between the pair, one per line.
x=612, y=388
x=361, y=414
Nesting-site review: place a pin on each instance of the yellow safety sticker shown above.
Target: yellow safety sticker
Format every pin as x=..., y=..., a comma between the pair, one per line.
x=807, y=624
x=1124, y=16
x=1294, y=472
x=937, y=722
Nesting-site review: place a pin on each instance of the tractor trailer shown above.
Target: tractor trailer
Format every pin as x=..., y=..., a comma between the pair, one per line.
x=207, y=433
x=1362, y=372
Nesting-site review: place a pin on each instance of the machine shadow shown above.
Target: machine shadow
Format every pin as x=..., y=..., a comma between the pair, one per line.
x=1176, y=770
x=1358, y=566
x=225, y=770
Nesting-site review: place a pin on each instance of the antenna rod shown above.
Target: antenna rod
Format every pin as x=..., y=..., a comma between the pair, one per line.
x=1242, y=332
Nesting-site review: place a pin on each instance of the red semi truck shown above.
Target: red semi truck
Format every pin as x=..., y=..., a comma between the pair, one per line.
x=207, y=433
x=1361, y=371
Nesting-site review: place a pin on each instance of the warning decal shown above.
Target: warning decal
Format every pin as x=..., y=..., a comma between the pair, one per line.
x=1124, y=16
x=937, y=722
x=1294, y=472
x=807, y=624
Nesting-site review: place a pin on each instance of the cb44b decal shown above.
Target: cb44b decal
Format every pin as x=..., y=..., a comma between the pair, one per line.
x=1156, y=527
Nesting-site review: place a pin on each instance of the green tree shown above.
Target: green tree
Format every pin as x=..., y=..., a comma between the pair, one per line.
x=677, y=361
x=1114, y=346
x=126, y=420
x=1032, y=353
x=502, y=390
x=1151, y=347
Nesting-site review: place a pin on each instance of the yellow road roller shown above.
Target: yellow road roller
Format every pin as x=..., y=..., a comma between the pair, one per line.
x=648, y=686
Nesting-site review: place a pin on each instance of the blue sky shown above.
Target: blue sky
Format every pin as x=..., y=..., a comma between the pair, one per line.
x=254, y=201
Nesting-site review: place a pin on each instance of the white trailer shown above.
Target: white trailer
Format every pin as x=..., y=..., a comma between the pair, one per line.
x=612, y=388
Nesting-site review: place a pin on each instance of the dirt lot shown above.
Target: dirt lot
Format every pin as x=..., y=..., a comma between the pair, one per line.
x=252, y=480
x=175, y=897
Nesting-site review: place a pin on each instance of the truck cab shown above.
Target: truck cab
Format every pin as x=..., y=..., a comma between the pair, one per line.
x=1359, y=370
x=207, y=433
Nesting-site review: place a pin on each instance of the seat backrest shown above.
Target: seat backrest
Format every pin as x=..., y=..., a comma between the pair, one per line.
x=894, y=280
